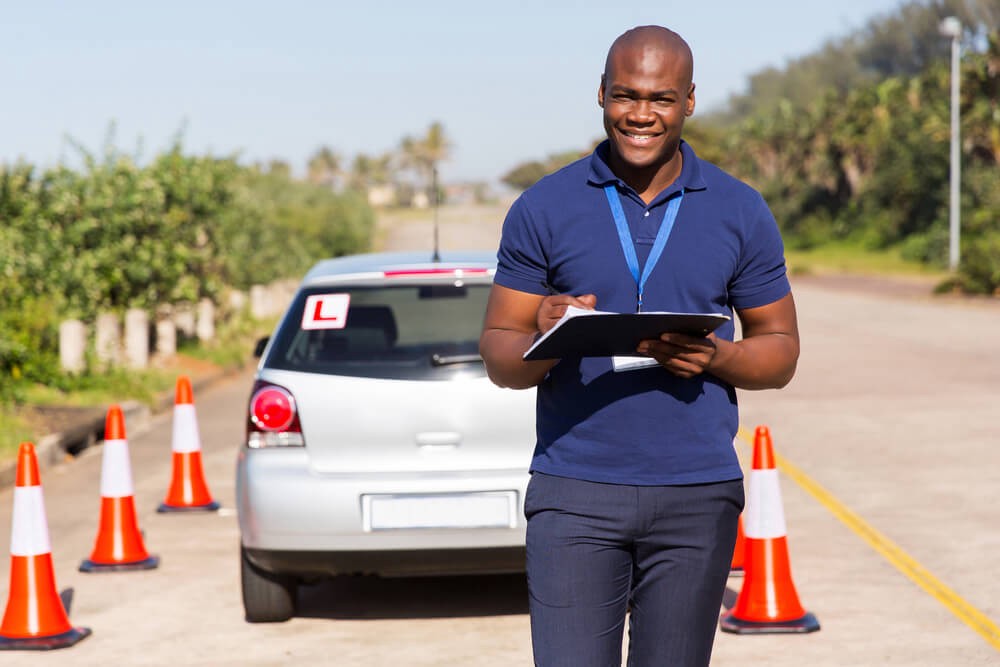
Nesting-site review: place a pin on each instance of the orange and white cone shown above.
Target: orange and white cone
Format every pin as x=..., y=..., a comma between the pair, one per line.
x=739, y=551
x=188, y=490
x=119, y=544
x=768, y=602
x=35, y=618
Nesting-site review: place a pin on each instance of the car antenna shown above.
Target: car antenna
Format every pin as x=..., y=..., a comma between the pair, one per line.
x=434, y=186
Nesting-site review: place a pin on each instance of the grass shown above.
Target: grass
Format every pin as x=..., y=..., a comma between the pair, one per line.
x=26, y=422
x=104, y=388
x=853, y=258
x=14, y=429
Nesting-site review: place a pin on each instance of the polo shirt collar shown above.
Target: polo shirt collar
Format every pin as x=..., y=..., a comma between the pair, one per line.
x=690, y=178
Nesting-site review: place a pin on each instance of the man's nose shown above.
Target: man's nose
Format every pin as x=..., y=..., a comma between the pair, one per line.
x=641, y=112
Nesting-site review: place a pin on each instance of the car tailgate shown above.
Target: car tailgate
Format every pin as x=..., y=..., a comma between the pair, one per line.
x=355, y=424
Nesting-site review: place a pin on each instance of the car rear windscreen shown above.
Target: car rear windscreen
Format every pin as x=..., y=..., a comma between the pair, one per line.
x=402, y=331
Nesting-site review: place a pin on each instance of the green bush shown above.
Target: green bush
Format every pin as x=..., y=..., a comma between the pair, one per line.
x=871, y=166
x=115, y=235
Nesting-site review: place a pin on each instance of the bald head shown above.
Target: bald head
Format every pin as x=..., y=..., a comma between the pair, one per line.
x=646, y=92
x=651, y=41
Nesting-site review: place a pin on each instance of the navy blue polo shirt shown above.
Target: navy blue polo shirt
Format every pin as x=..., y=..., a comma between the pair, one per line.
x=647, y=426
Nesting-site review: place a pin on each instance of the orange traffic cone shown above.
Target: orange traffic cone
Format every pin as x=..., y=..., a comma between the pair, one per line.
x=739, y=552
x=119, y=543
x=767, y=602
x=35, y=618
x=188, y=490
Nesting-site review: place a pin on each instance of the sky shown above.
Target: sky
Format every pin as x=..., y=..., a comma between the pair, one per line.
x=510, y=81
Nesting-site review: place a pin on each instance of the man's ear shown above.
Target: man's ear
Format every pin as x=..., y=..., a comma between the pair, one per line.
x=689, y=108
x=600, y=93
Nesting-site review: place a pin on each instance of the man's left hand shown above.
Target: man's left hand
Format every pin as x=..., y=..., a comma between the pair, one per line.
x=684, y=356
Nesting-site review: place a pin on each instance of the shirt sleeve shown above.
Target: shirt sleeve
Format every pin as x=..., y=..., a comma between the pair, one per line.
x=761, y=277
x=521, y=259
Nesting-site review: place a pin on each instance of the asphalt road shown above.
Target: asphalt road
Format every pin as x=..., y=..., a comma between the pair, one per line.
x=891, y=489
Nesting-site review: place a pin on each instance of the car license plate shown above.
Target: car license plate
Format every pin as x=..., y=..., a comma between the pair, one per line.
x=490, y=509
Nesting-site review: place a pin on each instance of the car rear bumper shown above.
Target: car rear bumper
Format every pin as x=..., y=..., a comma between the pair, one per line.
x=294, y=519
x=401, y=563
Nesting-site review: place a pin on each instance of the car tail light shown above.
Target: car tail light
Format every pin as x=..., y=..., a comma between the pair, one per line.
x=272, y=419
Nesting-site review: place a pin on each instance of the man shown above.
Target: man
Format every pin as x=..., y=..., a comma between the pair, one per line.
x=636, y=488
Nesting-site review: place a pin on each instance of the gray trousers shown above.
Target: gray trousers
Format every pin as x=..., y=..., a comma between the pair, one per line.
x=596, y=551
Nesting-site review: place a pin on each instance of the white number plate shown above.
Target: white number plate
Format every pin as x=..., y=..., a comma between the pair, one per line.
x=491, y=509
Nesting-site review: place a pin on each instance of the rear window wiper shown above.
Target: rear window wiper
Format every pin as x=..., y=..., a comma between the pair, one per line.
x=446, y=359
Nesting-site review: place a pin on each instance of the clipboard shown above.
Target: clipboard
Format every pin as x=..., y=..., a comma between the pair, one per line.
x=596, y=333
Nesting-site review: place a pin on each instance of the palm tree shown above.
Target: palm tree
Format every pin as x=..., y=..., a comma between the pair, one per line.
x=423, y=155
x=436, y=146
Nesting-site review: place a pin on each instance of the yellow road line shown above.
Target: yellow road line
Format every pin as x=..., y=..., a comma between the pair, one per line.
x=968, y=614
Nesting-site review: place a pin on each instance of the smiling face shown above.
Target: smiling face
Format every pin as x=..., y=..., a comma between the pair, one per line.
x=646, y=93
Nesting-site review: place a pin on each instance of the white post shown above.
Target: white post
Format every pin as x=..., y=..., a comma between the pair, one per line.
x=206, y=320
x=136, y=338
x=184, y=320
x=72, y=344
x=259, y=302
x=951, y=27
x=237, y=301
x=107, y=340
x=956, y=157
x=166, y=336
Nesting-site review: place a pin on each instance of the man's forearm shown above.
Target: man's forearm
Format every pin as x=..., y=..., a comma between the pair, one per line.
x=502, y=351
x=763, y=362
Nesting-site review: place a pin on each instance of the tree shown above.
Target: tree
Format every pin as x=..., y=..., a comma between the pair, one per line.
x=367, y=171
x=526, y=174
x=324, y=167
x=423, y=155
x=280, y=168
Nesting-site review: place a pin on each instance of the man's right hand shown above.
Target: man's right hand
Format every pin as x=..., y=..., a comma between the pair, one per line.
x=513, y=321
x=552, y=308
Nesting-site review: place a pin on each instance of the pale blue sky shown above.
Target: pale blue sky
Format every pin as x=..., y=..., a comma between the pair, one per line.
x=510, y=81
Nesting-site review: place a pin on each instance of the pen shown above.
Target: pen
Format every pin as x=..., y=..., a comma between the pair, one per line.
x=549, y=288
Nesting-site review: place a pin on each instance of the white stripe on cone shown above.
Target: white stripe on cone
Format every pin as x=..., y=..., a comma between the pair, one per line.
x=29, y=531
x=185, y=434
x=116, y=470
x=765, y=515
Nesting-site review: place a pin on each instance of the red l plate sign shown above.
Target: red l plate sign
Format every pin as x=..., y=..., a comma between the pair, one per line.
x=325, y=311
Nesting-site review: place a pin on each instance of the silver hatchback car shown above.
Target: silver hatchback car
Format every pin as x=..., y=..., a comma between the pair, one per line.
x=375, y=443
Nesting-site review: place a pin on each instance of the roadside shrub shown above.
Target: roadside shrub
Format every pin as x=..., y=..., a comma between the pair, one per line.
x=114, y=235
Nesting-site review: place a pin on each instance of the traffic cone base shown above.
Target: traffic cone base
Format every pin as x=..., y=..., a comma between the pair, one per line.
x=149, y=563
x=27, y=613
x=807, y=623
x=208, y=507
x=119, y=540
x=768, y=594
x=62, y=640
x=188, y=491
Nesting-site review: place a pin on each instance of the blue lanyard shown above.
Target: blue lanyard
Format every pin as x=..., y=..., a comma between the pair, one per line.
x=625, y=236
